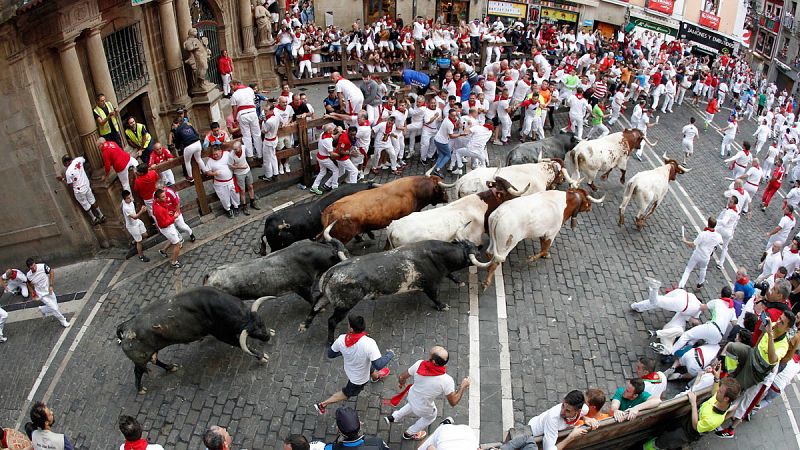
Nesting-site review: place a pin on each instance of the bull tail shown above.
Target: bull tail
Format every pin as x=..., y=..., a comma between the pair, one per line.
x=630, y=190
x=575, y=162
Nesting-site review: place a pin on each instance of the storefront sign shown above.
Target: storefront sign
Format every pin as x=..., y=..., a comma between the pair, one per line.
x=507, y=9
x=559, y=14
x=707, y=38
x=657, y=27
x=662, y=6
x=588, y=23
x=709, y=20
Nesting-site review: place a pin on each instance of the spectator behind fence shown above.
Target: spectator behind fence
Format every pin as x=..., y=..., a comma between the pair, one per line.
x=132, y=430
x=38, y=430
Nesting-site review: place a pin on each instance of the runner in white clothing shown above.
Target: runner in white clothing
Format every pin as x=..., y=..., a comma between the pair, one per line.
x=326, y=164
x=40, y=283
x=728, y=137
x=684, y=304
x=784, y=228
x=703, y=246
x=479, y=135
x=547, y=425
x=689, y=133
x=220, y=167
x=350, y=96
x=740, y=161
x=429, y=382
x=761, y=134
x=451, y=437
x=726, y=226
x=75, y=175
x=244, y=109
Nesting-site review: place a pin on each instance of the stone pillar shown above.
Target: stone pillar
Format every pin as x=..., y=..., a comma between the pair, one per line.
x=184, y=19
x=172, y=53
x=99, y=66
x=246, y=18
x=79, y=100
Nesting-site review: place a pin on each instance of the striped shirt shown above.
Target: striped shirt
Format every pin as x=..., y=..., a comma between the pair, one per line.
x=600, y=90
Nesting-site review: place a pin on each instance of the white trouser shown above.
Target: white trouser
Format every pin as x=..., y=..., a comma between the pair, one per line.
x=270, y=162
x=727, y=142
x=426, y=417
x=538, y=125
x=372, y=114
x=674, y=301
x=193, y=151
x=694, y=262
x=767, y=168
x=750, y=397
x=690, y=362
x=3, y=317
x=13, y=285
x=668, y=103
x=181, y=225
x=576, y=125
x=759, y=145
x=390, y=150
x=226, y=83
x=354, y=45
x=123, y=175
x=726, y=240
x=688, y=146
x=167, y=177
x=326, y=165
x=305, y=66
x=597, y=131
x=721, y=98
x=615, y=111
x=656, y=98
x=50, y=308
x=527, y=124
x=226, y=191
x=681, y=94
x=347, y=167
x=477, y=155
x=251, y=132
x=505, y=126
x=412, y=132
x=399, y=144
x=708, y=332
x=426, y=149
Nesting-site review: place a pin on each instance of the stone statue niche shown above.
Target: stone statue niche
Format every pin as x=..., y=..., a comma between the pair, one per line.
x=263, y=24
x=198, y=59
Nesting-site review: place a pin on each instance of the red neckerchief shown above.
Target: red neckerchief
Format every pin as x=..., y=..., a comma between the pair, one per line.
x=740, y=190
x=580, y=96
x=743, y=280
x=281, y=107
x=653, y=378
x=429, y=369
x=574, y=420
x=285, y=93
x=13, y=275
x=455, y=124
x=733, y=207
x=239, y=153
x=364, y=123
x=746, y=152
x=326, y=135
x=708, y=229
x=350, y=339
x=141, y=444
x=387, y=131
x=728, y=301
x=790, y=215
x=794, y=251
x=472, y=103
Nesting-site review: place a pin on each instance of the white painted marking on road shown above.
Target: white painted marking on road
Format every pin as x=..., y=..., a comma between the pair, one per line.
x=55, y=350
x=505, y=355
x=283, y=205
x=792, y=420
x=474, y=354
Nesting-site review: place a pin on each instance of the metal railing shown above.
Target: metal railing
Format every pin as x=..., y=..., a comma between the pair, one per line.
x=125, y=55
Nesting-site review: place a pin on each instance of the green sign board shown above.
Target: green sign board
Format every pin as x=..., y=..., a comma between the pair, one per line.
x=657, y=27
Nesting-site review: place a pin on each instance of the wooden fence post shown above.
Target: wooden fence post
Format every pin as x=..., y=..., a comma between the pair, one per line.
x=289, y=72
x=416, y=55
x=305, y=152
x=202, y=200
x=345, y=54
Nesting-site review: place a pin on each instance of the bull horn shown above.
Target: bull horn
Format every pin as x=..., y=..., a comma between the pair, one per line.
x=651, y=144
x=446, y=185
x=257, y=303
x=595, y=200
x=243, y=342
x=539, y=159
x=477, y=263
x=326, y=233
x=664, y=156
x=341, y=255
x=430, y=171
x=684, y=169
x=543, y=160
x=519, y=193
x=572, y=183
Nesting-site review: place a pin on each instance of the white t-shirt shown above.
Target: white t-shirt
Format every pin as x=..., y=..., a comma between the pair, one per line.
x=350, y=92
x=689, y=132
x=238, y=161
x=357, y=358
x=427, y=389
x=451, y=437
x=656, y=388
x=243, y=97
x=40, y=279
x=76, y=175
x=705, y=243
x=786, y=224
x=128, y=210
x=221, y=166
x=789, y=260
x=447, y=128
x=548, y=424
x=20, y=276
x=721, y=314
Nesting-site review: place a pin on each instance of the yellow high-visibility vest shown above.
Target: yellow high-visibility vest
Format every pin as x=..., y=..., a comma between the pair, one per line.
x=106, y=128
x=141, y=138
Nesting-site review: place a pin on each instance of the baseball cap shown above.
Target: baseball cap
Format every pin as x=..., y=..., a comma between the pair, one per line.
x=347, y=420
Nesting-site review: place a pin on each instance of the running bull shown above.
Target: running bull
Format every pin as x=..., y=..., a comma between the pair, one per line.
x=554, y=147
x=292, y=269
x=648, y=188
x=446, y=223
x=594, y=156
x=304, y=221
x=415, y=267
x=376, y=208
x=187, y=317
x=541, y=176
x=535, y=216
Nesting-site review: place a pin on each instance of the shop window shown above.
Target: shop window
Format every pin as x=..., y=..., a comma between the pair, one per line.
x=126, y=62
x=711, y=6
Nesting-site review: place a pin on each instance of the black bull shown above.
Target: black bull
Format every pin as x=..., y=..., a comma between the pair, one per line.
x=304, y=221
x=187, y=317
x=554, y=147
x=420, y=266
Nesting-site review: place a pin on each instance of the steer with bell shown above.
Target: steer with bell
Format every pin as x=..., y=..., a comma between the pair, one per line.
x=648, y=188
x=415, y=267
x=187, y=317
x=541, y=176
x=603, y=155
x=538, y=216
x=554, y=147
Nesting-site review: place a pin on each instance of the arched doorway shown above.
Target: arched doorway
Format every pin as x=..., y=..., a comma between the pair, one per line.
x=204, y=20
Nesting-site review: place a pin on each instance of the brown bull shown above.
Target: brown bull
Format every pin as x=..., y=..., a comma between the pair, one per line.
x=376, y=208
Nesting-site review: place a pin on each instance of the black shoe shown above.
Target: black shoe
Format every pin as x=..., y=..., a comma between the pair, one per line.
x=389, y=419
x=192, y=238
x=326, y=188
x=144, y=258
x=235, y=211
x=162, y=253
x=448, y=421
x=245, y=211
x=229, y=213
x=265, y=178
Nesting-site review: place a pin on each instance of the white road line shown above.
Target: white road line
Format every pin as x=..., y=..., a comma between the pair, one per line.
x=792, y=420
x=474, y=354
x=55, y=350
x=505, y=355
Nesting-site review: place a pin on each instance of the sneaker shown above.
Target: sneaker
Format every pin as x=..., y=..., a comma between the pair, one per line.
x=3, y=339
x=190, y=179
x=229, y=213
x=192, y=238
x=326, y=188
x=316, y=191
x=162, y=253
x=673, y=377
x=652, y=282
x=657, y=347
x=320, y=408
x=235, y=211
x=286, y=168
x=669, y=372
x=726, y=433
x=388, y=419
x=719, y=266
x=383, y=373
x=448, y=421
x=638, y=156
x=144, y=258
x=458, y=172
x=66, y=324
x=651, y=333
x=699, y=286
x=418, y=436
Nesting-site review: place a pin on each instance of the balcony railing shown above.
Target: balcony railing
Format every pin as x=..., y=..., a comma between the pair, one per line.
x=769, y=23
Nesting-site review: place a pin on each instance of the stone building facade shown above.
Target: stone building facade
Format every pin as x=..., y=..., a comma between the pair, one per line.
x=55, y=57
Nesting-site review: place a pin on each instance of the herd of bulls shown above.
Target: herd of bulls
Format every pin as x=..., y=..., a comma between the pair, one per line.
x=308, y=254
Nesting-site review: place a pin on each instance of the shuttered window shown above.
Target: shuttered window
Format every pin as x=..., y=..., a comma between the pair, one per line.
x=126, y=62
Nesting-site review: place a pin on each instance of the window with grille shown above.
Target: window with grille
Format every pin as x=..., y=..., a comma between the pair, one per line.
x=125, y=56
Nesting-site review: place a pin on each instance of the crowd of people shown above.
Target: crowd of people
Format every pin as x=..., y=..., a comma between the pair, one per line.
x=446, y=116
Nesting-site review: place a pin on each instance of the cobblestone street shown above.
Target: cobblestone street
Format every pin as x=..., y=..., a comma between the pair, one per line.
x=566, y=319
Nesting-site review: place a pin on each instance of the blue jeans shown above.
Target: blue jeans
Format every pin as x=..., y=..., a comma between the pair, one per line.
x=442, y=154
x=279, y=50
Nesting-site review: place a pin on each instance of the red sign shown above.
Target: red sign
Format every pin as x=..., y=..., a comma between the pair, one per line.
x=709, y=20
x=746, y=37
x=662, y=6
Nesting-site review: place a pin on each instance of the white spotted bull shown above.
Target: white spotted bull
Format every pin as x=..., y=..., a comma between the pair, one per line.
x=541, y=176
x=603, y=155
x=538, y=216
x=648, y=188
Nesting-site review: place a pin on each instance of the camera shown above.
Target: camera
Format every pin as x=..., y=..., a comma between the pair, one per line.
x=762, y=288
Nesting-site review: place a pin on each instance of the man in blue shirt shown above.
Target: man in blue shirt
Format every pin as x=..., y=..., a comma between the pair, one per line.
x=350, y=435
x=419, y=80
